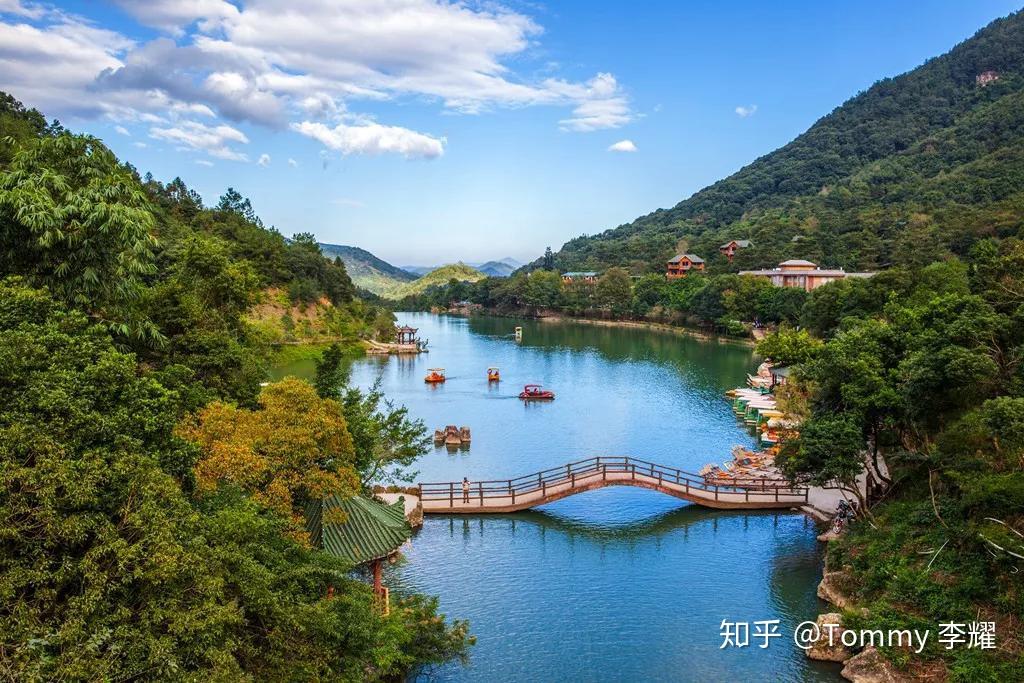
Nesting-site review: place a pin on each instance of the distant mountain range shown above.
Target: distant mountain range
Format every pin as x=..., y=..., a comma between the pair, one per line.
x=366, y=270
x=500, y=268
x=383, y=279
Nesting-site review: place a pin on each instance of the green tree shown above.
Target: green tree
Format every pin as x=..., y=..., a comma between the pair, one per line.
x=829, y=453
x=614, y=292
x=385, y=439
x=75, y=221
x=543, y=290
x=331, y=372
x=789, y=346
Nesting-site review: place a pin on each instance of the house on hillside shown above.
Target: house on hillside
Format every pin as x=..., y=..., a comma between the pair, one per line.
x=986, y=78
x=681, y=264
x=803, y=274
x=587, y=277
x=732, y=246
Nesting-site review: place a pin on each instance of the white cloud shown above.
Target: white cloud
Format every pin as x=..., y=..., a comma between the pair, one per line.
x=743, y=112
x=373, y=138
x=622, y=146
x=121, y=130
x=140, y=145
x=204, y=162
x=264, y=160
x=214, y=140
x=175, y=15
x=293, y=163
x=22, y=9
x=345, y=201
x=600, y=104
x=273, y=62
x=52, y=67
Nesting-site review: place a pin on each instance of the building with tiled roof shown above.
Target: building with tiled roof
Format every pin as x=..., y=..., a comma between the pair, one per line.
x=681, y=264
x=371, y=533
x=732, y=246
x=803, y=274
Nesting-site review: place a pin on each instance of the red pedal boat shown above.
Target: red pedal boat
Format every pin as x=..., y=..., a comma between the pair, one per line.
x=535, y=392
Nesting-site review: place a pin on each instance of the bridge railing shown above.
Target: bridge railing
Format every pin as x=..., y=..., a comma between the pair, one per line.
x=584, y=470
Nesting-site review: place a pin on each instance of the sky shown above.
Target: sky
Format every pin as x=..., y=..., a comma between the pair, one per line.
x=431, y=131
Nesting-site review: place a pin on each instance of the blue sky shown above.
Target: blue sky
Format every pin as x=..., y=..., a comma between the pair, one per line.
x=431, y=132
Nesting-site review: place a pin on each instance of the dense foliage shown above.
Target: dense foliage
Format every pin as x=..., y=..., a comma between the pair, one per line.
x=148, y=485
x=923, y=388
x=915, y=168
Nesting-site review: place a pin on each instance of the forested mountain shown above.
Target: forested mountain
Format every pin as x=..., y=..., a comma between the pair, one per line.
x=366, y=270
x=460, y=272
x=914, y=168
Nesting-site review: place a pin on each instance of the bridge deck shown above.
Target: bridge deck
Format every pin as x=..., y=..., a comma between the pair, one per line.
x=510, y=495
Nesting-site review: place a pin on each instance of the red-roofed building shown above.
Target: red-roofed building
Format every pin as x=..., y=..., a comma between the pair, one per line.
x=681, y=264
x=803, y=274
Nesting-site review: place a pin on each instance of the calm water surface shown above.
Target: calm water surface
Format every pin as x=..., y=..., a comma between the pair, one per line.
x=618, y=584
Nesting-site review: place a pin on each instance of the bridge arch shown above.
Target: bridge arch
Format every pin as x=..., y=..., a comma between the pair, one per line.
x=547, y=486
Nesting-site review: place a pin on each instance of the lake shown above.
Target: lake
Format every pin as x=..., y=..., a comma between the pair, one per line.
x=618, y=584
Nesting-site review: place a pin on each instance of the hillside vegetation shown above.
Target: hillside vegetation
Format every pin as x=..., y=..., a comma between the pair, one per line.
x=367, y=270
x=916, y=167
x=154, y=485
x=458, y=272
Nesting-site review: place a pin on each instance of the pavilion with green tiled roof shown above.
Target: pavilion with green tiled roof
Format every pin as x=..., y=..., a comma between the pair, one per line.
x=371, y=533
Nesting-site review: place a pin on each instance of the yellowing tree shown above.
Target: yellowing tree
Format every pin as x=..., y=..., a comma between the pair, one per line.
x=295, y=448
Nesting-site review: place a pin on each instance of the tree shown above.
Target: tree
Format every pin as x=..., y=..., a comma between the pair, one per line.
x=386, y=441
x=549, y=259
x=543, y=289
x=294, y=449
x=614, y=292
x=788, y=346
x=233, y=202
x=76, y=222
x=331, y=373
x=828, y=452
x=111, y=572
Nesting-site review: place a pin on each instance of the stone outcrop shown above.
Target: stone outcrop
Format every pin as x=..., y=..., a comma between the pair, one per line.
x=871, y=667
x=824, y=650
x=830, y=589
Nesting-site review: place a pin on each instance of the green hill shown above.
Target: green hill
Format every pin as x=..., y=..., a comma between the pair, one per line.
x=366, y=270
x=916, y=166
x=438, y=276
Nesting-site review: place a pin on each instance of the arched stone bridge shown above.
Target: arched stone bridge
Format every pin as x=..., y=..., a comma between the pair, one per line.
x=546, y=486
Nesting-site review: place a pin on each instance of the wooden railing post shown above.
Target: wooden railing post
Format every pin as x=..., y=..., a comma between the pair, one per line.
x=451, y=494
x=480, y=487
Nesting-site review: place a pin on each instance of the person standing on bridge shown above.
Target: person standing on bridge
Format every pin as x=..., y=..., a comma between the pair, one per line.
x=465, y=489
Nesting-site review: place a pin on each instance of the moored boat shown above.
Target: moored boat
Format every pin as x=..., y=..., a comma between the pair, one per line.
x=535, y=392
